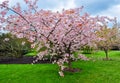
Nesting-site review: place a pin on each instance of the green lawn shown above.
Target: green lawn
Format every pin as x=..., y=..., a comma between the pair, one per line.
x=94, y=71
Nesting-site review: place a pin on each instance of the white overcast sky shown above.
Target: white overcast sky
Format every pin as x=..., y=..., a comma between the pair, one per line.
x=109, y=8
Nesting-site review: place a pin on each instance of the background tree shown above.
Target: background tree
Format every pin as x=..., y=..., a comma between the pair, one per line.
x=109, y=38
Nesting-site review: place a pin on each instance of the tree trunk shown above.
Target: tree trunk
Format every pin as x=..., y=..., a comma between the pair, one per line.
x=106, y=54
x=69, y=62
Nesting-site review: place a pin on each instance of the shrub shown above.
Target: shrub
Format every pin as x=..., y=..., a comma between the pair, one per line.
x=87, y=50
x=11, y=46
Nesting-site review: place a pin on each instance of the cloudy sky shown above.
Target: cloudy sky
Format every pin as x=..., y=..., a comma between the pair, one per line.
x=110, y=8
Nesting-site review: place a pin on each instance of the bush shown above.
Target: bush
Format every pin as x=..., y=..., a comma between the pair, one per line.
x=11, y=46
x=87, y=50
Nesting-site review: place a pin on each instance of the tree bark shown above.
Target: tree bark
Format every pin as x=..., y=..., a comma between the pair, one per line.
x=106, y=54
x=69, y=62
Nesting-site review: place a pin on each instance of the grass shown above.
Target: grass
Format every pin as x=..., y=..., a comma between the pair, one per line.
x=94, y=71
x=31, y=53
x=114, y=55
